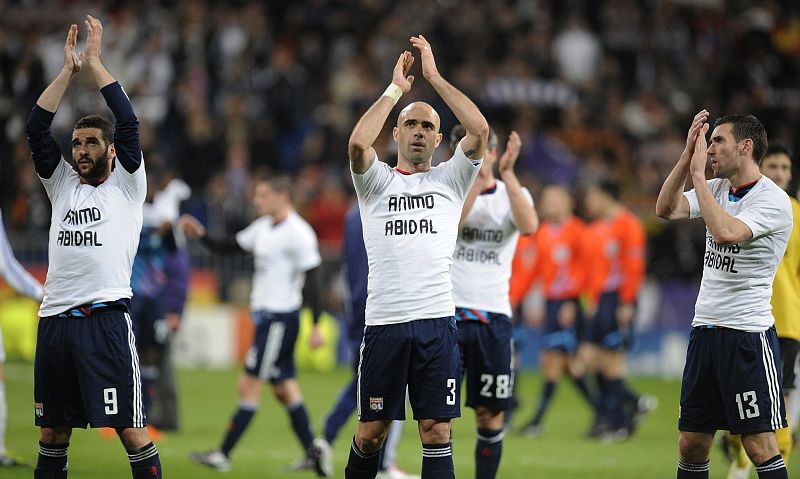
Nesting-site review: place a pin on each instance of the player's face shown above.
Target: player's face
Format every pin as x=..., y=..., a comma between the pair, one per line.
x=778, y=168
x=724, y=151
x=265, y=199
x=555, y=203
x=417, y=133
x=593, y=202
x=91, y=154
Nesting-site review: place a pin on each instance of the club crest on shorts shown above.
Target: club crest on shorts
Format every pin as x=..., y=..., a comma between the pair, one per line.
x=38, y=409
x=376, y=404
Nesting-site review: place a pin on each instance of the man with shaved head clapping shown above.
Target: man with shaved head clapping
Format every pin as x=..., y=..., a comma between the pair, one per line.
x=410, y=216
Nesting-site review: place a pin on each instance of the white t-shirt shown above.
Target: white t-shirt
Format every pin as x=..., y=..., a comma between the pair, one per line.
x=282, y=253
x=410, y=226
x=737, y=279
x=482, y=260
x=94, y=234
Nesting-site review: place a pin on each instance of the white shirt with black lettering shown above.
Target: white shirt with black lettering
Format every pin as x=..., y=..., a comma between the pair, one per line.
x=94, y=234
x=410, y=226
x=282, y=253
x=737, y=279
x=485, y=248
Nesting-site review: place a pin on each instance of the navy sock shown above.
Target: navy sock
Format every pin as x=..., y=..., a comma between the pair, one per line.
x=145, y=463
x=361, y=465
x=629, y=397
x=773, y=468
x=52, y=463
x=437, y=461
x=544, y=401
x=300, y=424
x=488, y=450
x=583, y=387
x=239, y=422
x=613, y=404
x=688, y=470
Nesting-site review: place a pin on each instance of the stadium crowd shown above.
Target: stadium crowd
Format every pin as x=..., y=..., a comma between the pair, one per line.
x=228, y=91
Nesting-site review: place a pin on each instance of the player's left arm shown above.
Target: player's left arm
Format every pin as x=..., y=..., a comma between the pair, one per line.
x=525, y=218
x=126, y=129
x=725, y=228
x=467, y=113
x=313, y=292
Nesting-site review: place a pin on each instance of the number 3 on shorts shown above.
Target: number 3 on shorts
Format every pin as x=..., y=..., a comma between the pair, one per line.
x=451, y=396
x=110, y=398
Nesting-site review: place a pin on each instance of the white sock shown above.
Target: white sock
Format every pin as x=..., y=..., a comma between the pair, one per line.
x=3, y=417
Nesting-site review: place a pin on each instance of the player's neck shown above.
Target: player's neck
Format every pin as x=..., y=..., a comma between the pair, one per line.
x=744, y=178
x=409, y=168
x=280, y=215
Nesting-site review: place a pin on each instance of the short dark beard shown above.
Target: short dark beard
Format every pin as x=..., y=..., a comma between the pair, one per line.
x=99, y=169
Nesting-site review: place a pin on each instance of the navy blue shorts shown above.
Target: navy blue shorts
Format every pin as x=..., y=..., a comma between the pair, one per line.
x=86, y=372
x=148, y=322
x=557, y=337
x=790, y=362
x=422, y=355
x=732, y=381
x=487, y=360
x=603, y=329
x=271, y=356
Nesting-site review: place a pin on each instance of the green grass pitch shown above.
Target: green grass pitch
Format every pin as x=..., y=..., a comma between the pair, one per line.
x=208, y=399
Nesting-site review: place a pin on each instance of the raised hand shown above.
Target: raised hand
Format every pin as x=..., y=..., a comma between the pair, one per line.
x=93, y=40
x=509, y=158
x=697, y=123
x=72, y=63
x=429, y=70
x=400, y=76
x=697, y=167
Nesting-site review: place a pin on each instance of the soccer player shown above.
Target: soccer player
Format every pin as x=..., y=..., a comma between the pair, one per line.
x=410, y=216
x=560, y=267
x=87, y=369
x=286, y=256
x=777, y=166
x=731, y=380
x=22, y=282
x=495, y=213
x=356, y=270
x=615, y=270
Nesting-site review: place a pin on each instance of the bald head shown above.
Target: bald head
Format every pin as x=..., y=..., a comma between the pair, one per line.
x=420, y=111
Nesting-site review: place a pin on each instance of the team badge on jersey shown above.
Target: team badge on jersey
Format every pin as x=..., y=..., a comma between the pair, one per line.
x=376, y=404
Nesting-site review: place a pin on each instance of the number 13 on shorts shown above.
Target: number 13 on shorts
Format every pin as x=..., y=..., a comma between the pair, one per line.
x=748, y=408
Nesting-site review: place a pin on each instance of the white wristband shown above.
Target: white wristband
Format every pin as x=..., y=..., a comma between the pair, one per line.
x=393, y=92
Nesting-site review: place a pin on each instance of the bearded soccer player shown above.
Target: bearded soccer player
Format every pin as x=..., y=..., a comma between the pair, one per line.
x=87, y=369
x=410, y=216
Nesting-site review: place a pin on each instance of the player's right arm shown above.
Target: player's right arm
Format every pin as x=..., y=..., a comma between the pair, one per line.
x=366, y=131
x=671, y=203
x=194, y=229
x=44, y=148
